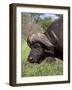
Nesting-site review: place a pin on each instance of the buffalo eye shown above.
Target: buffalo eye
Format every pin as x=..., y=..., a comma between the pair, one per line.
x=36, y=45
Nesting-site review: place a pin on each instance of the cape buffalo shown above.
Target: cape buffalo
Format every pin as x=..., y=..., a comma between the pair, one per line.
x=48, y=44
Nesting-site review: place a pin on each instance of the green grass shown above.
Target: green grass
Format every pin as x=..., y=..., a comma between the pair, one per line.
x=24, y=50
x=46, y=68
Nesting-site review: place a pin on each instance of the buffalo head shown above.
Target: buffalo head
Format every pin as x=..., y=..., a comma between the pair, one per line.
x=40, y=47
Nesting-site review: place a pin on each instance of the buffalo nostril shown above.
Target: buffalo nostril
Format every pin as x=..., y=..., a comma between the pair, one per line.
x=30, y=58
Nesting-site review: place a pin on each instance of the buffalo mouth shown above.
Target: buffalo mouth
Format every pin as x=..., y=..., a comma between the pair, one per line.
x=31, y=60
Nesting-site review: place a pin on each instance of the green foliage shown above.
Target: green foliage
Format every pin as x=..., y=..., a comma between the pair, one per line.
x=24, y=50
x=33, y=22
x=45, y=23
x=43, y=69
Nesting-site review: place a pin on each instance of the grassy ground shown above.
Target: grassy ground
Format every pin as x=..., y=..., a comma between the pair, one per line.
x=46, y=68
